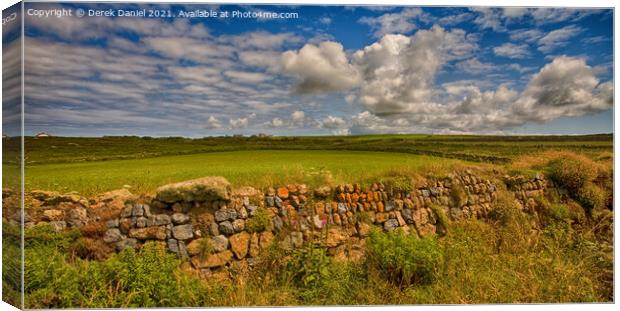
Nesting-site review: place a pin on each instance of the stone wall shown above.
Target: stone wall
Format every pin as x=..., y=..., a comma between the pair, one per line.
x=209, y=230
x=206, y=223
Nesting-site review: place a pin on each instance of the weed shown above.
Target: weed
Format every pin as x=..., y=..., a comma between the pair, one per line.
x=261, y=221
x=404, y=259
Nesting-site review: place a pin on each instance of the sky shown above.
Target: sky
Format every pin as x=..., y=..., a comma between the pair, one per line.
x=333, y=70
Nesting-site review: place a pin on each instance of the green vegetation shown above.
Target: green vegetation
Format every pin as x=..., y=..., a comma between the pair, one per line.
x=499, y=149
x=443, y=223
x=561, y=264
x=261, y=221
x=404, y=259
x=555, y=255
x=587, y=181
x=242, y=168
x=56, y=278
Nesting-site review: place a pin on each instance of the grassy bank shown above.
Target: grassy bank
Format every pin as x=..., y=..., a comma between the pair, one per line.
x=559, y=264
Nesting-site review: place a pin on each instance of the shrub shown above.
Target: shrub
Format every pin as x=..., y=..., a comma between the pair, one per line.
x=92, y=248
x=309, y=266
x=398, y=183
x=94, y=229
x=261, y=221
x=590, y=196
x=512, y=224
x=573, y=172
x=404, y=259
x=148, y=278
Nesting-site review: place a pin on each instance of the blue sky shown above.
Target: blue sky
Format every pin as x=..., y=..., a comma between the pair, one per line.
x=332, y=71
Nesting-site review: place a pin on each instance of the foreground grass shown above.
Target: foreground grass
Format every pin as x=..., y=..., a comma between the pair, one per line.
x=252, y=168
x=557, y=265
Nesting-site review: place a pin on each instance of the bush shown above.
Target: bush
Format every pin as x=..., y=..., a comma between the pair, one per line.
x=261, y=221
x=404, y=259
x=591, y=197
x=512, y=224
x=309, y=266
x=54, y=278
x=573, y=172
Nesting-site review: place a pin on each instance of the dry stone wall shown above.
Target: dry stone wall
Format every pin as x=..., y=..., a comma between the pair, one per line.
x=213, y=228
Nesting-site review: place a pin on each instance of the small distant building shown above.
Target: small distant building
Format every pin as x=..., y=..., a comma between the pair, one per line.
x=263, y=135
x=42, y=134
x=4, y=136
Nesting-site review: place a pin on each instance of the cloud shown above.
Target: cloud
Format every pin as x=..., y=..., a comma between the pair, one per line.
x=527, y=35
x=325, y=20
x=213, y=123
x=246, y=77
x=261, y=59
x=276, y=123
x=393, y=23
x=260, y=40
x=557, y=38
x=565, y=87
x=397, y=93
x=398, y=71
x=499, y=19
x=455, y=19
x=296, y=120
x=298, y=117
x=320, y=68
x=331, y=122
x=514, y=51
x=238, y=123
x=473, y=65
x=341, y=132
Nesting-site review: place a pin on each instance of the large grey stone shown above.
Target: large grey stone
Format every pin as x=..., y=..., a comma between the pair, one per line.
x=112, y=223
x=270, y=201
x=238, y=225
x=390, y=224
x=126, y=212
x=243, y=213
x=277, y=223
x=161, y=219
x=225, y=214
x=226, y=228
x=78, y=217
x=173, y=246
x=141, y=222
x=183, y=232
x=179, y=218
x=137, y=210
x=219, y=243
x=201, y=189
x=112, y=235
x=407, y=215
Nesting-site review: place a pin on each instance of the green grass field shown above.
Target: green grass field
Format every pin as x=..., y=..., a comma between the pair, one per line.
x=255, y=168
x=496, y=149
